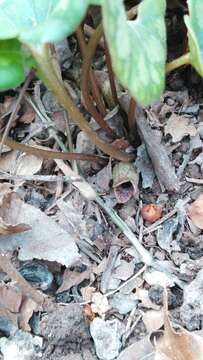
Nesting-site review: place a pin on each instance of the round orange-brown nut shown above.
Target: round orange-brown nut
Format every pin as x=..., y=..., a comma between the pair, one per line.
x=151, y=212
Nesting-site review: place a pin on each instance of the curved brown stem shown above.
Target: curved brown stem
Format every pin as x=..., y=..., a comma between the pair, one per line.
x=49, y=154
x=90, y=51
x=131, y=114
x=95, y=90
x=47, y=73
x=111, y=74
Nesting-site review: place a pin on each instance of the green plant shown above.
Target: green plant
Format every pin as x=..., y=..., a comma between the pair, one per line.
x=137, y=49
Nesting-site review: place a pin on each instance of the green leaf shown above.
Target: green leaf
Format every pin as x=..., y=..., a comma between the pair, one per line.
x=194, y=23
x=36, y=22
x=12, y=70
x=138, y=47
x=95, y=2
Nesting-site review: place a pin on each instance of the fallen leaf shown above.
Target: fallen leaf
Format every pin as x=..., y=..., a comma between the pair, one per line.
x=153, y=320
x=121, y=143
x=47, y=240
x=10, y=298
x=26, y=164
x=87, y=293
x=139, y=350
x=143, y=296
x=9, y=215
x=124, y=270
x=181, y=345
x=196, y=212
x=89, y=314
x=102, y=178
x=27, y=308
x=72, y=278
x=28, y=116
x=179, y=127
x=100, y=303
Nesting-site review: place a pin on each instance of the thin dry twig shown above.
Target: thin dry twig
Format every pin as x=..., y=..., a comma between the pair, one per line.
x=194, y=181
x=15, y=109
x=127, y=281
x=43, y=178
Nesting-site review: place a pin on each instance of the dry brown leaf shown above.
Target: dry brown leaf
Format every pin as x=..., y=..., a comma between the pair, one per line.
x=10, y=298
x=178, y=127
x=153, y=320
x=47, y=240
x=9, y=212
x=11, y=318
x=100, y=304
x=28, y=116
x=72, y=278
x=26, y=311
x=24, y=165
x=196, y=212
x=87, y=293
x=181, y=345
x=140, y=350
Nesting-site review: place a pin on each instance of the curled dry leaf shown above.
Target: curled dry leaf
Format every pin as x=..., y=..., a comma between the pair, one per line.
x=10, y=297
x=125, y=181
x=100, y=303
x=181, y=345
x=9, y=212
x=151, y=212
x=179, y=127
x=196, y=212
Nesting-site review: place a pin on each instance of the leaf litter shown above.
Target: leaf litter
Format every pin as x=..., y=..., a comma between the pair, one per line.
x=120, y=300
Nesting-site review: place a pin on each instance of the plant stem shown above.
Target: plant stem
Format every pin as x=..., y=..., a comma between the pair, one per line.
x=15, y=110
x=182, y=60
x=145, y=255
x=131, y=114
x=95, y=90
x=87, y=60
x=111, y=74
x=47, y=73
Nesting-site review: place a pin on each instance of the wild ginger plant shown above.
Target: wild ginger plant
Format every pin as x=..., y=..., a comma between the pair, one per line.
x=137, y=48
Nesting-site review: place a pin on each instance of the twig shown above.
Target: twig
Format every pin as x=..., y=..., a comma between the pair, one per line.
x=26, y=288
x=130, y=330
x=107, y=273
x=145, y=255
x=43, y=178
x=194, y=181
x=15, y=110
x=127, y=281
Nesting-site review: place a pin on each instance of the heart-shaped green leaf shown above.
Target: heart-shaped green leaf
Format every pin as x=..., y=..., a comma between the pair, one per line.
x=138, y=47
x=36, y=22
x=12, y=69
x=194, y=23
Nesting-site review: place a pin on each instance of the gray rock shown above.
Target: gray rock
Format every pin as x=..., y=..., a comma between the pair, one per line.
x=191, y=311
x=21, y=346
x=107, y=338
